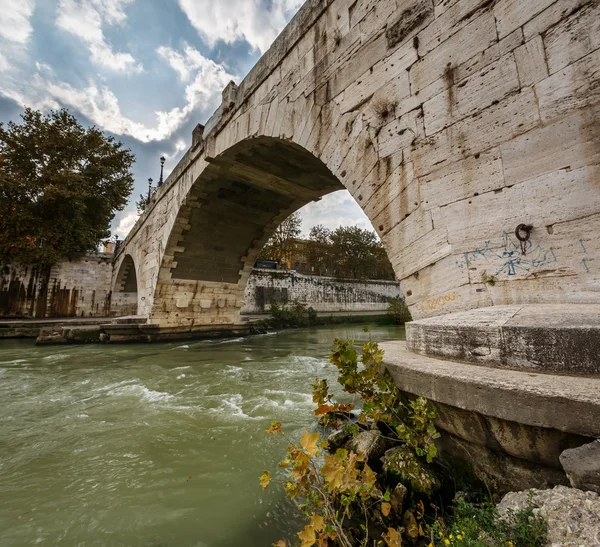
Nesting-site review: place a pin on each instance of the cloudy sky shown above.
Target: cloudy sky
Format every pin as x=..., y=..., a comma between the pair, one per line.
x=146, y=71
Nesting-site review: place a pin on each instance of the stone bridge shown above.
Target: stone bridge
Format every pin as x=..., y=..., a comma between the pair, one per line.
x=451, y=123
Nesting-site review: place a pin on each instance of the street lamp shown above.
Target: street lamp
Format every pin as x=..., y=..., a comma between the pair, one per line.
x=149, y=191
x=162, y=164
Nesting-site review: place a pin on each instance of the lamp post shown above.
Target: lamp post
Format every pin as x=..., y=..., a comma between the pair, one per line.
x=149, y=191
x=162, y=164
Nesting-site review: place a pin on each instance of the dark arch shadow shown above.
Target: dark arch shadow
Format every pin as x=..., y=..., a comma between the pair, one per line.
x=124, y=298
x=244, y=195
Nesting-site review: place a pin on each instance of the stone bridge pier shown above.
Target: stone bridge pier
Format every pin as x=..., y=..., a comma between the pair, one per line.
x=451, y=123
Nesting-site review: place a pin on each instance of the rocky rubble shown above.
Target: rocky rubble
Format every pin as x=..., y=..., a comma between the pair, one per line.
x=573, y=515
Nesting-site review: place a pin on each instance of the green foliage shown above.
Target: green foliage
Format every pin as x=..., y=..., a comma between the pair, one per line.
x=345, y=500
x=480, y=525
x=142, y=204
x=347, y=252
x=60, y=185
x=295, y=315
x=398, y=311
x=281, y=245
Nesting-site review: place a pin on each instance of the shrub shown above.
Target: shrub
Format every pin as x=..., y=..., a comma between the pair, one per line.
x=398, y=311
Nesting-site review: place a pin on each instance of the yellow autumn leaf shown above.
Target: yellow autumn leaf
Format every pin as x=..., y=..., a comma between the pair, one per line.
x=275, y=427
x=309, y=442
x=307, y=536
x=317, y=522
x=332, y=472
x=386, y=508
x=265, y=479
x=392, y=538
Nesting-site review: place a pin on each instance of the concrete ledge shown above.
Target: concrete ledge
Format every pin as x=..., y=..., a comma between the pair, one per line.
x=545, y=338
x=565, y=403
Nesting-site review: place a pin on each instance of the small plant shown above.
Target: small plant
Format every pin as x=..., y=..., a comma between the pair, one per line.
x=488, y=279
x=398, y=311
x=383, y=108
x=337, y=37
x=480, y=525
x=297, y=314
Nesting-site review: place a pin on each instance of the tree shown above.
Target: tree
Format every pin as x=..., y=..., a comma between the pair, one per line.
x=319, y=250
x=60, y=185
x=281, y=245
x=359, y=254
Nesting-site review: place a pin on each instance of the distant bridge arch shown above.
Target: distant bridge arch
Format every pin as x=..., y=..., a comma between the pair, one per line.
x=124, y=295
x=450, y=125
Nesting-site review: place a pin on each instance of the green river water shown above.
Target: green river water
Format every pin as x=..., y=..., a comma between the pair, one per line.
x=155, y=445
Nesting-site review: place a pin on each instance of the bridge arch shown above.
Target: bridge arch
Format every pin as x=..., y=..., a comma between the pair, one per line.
x=229, y=214
x=124, y=296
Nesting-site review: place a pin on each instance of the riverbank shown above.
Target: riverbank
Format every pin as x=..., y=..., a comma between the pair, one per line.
x=133, y=329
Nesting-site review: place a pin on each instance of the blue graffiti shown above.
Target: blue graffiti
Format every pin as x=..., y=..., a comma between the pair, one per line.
x=583, y=246
x=587, y=268
x=508, y=258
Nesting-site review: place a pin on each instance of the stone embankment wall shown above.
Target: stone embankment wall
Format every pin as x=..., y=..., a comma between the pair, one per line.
x=324, y=294
x=79, y=288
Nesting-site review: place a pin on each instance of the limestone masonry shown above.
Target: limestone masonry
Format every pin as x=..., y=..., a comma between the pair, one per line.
x=82, y=288
x=324, y=294
x=451, y=122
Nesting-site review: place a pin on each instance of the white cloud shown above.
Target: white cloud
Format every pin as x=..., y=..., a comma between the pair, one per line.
x=334, y=210
x=4, y=65
x=85, y=18
x=126, y=223
x=101, y=106
x=14, y=20
x=186, y=64
x=256, y=21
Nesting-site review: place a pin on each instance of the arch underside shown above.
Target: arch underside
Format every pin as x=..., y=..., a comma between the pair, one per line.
x=124, y=298
x=244, y=193
x=231, y=211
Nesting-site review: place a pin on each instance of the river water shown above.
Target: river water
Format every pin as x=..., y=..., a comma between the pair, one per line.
x=155, y=445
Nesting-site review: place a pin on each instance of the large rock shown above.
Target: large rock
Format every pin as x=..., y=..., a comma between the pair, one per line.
x=338, y=439
x=573, y=516
x=582, y=466
x=371, y=444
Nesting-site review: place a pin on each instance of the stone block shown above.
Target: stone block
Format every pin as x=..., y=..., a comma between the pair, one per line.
x=573, y=38
x=426, y=250
x=470, y=96
x=568, y=143
x=448, y=23
x=531, y=62
x=576, y=86
x=464, y=179
x=511, y=14
x=552, y=15
x=475, y=37
x=497, y=124
x=582, y=466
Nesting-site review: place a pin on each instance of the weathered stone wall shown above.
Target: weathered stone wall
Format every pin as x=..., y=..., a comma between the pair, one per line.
x=321, y=293
x=451, y=122
x=79, y=288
